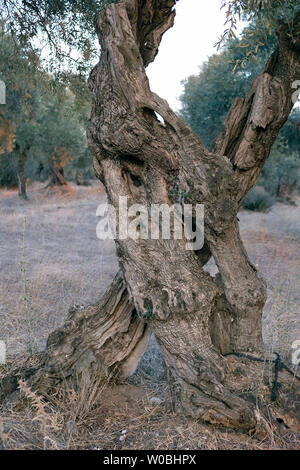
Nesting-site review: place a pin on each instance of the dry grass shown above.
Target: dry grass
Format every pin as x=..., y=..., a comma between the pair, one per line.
x=50, y=259
x=122, y=417
x=273, y=242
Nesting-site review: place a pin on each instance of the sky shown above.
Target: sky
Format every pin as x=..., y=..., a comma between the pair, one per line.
x=198, y=25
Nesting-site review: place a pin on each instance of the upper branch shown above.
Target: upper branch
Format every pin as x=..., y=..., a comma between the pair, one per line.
x=150, y=19
x=124, y=110
x=252, y=124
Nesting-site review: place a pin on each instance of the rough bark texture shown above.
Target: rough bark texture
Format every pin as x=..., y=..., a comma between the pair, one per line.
x=197, y=319
x=106, y=339
x=101, y=341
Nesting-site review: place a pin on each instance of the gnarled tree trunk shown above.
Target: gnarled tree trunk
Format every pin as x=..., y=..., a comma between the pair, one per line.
x=199, y=321
x=196, y=318
x=99, y=342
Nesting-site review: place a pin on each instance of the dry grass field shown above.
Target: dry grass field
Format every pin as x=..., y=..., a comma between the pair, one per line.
x=51, y=259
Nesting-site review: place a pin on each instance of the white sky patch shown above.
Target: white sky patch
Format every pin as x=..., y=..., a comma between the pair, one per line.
x=198, y=25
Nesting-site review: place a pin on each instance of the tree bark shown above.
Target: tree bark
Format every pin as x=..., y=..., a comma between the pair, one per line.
x=196, y=318
x=199, y=321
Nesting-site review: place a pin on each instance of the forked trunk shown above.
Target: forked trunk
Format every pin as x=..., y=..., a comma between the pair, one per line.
x=57, y=177
x=199, y=321
x=56, y=162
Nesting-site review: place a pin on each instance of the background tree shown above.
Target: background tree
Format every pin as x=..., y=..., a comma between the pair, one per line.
x=281, y=173
x=207, y=98
x=18, y=116
x=80, y=169
x=62, y=135
x=43, y=123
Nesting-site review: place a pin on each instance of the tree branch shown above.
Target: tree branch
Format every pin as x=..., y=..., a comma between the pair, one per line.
x=253, y=123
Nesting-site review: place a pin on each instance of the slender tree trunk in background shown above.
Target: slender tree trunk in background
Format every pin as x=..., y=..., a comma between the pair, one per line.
x=39, y=170
x=198, y=320
x=78, y=178
x=21, y=174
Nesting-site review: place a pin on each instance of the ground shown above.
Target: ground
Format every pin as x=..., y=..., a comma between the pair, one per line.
x=52, y=259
